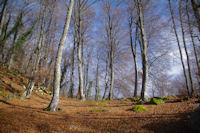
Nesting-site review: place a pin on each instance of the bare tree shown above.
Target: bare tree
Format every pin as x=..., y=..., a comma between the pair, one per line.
x=80, y=52
x=185, y=47
x=38, y=52
x=133, y=48
x=57, y=72
x=143, y=48
x=192, y=38
x=109, y=30
x=179, y=47
x=82, y=22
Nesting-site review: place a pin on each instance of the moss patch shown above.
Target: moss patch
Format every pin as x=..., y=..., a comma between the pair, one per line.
x=157, y=100
x=139, y=108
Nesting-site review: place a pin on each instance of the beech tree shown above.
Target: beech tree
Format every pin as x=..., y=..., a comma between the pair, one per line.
x=143, y=47
x=179, y=47
x=57, y=72
x=192, y=36
x=133, y=44
x=31, y=82
x=186, y=49
x=110, y=37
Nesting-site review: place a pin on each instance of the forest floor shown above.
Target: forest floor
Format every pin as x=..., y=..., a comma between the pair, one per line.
x=23, y=116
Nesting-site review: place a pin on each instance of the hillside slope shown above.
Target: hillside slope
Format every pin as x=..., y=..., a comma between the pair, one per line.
x=28, y=116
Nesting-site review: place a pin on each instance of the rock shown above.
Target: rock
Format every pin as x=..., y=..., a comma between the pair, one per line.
x=194, y=121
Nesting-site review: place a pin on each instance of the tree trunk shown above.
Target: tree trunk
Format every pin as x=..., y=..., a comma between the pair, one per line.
x=71, y=91
x=57, y=70
x=97, y=80
x=136, y=76
x=196, y=8
x=144, y=50
x=192, y=38
x=12, y=51
x=186, y=51
x=111, y=74
x=2, y=17
x=87, y=72
x=110, y=26
x=134, y=49
x=28, y=92
x=80, y=61
x=179, y=47
x=80, y=71
x=2, y=37
x=38, y=56
x=106, y=82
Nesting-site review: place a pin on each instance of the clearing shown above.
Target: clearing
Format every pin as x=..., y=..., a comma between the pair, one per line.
x=104, y=116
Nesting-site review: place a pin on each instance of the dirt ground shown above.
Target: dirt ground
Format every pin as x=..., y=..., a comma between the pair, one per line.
x=27, y=116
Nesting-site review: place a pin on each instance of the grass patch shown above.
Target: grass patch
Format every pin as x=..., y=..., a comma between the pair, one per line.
x=98, y=110
x=139, y=108
x=153, y=106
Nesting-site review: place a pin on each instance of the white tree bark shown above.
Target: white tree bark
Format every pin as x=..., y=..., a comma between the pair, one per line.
x=57, y=71
x=80, y=54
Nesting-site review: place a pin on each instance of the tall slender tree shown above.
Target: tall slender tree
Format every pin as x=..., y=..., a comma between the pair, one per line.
x=57, y=71
x=179, y=47
x=133, y=48
x=109, y=30
x=192, y=37
x=97, y=94
x=38, y=51
x=185, y=47
x=143, y=48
